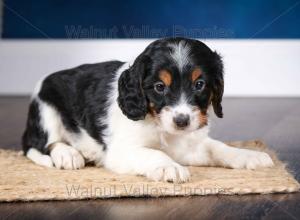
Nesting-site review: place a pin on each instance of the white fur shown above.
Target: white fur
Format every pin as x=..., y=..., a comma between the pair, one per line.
x=149, y=147
x=52, y=124
x=66, y=157
x=39, y=158
x=224, y=155
x=180, y=54
x=88, y=147
x=168, y=114
x=197, y=149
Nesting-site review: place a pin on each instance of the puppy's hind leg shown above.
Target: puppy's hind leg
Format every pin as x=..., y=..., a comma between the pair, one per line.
x=45, y=138
x=64, y=156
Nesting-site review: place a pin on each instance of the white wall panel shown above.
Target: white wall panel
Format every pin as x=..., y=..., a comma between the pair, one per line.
x=252, y=67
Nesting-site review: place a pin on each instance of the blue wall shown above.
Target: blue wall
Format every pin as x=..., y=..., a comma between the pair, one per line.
x=151, y=19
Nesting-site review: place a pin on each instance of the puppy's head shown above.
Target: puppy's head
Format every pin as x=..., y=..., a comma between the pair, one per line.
x=175, y=80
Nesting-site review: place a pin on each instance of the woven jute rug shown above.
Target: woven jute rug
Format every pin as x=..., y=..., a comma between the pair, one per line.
x=21, y=180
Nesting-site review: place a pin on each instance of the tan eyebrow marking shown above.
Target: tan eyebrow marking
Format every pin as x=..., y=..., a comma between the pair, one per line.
x=166, y=77
x=195, y=74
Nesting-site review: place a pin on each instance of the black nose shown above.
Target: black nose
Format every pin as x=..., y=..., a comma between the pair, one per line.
x=182, y=120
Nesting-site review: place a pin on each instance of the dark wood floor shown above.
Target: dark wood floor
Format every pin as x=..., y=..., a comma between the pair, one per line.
x=276, y=121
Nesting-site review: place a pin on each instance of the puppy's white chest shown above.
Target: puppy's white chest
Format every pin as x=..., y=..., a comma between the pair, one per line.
x=178, y=146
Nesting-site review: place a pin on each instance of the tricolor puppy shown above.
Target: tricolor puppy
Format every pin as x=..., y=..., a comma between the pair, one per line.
x=149, y=118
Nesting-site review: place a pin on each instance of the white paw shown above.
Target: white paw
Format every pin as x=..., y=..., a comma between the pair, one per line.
x=46, y=161
x=39, y=158
x=66, y=157
x=172, y=172
x=249, y=159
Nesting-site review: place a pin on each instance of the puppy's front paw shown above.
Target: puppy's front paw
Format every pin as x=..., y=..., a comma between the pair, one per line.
x=249, y=159
x=66, y=157
x=170, y=173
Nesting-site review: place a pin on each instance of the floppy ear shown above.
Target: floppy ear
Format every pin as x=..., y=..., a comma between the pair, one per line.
x=218, y=85
x=132, y=100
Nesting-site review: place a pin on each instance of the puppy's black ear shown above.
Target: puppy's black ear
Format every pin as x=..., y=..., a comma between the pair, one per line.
x=132, y=100
x=218, y=84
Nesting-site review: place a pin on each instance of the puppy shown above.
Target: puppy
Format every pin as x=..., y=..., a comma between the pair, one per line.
x=149, y=118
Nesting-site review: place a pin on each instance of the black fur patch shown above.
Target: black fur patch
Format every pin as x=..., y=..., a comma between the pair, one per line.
x=79, y=95
x=34, y=135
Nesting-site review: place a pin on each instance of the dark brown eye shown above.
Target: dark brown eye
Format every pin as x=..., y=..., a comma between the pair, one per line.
x=159, y=87
x=199, y=84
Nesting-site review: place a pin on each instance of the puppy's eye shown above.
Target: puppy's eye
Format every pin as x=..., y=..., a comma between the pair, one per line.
x=159, y=87
x=199, y=84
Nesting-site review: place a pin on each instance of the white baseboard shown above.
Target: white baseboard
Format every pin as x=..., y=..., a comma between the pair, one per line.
x=252, y=67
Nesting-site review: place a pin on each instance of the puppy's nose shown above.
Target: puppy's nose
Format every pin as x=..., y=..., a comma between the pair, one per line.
x=182, y=120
